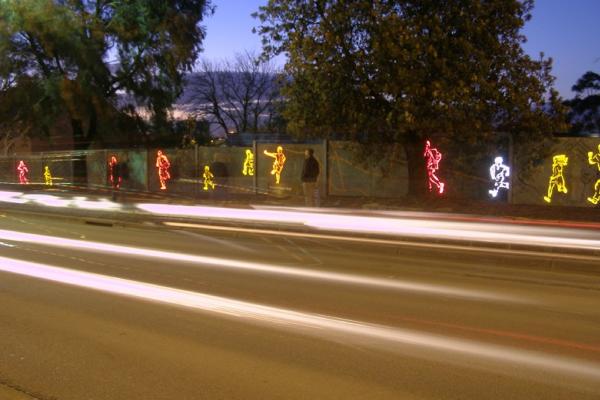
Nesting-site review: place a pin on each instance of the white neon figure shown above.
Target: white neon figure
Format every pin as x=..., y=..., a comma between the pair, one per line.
x=499, y=173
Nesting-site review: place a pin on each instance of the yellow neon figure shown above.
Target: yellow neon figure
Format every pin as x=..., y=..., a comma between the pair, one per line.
x=208, y=178
x=277, y=163
x=47, y=176
x=248, y=164
x=595, y=159
x=557, y=179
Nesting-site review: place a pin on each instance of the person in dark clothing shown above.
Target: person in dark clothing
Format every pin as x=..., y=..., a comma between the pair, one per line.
x=310, y=179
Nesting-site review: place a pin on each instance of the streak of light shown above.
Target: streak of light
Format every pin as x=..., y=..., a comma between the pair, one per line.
x=326, y=327
x=56, y=201
x=336, y=277
x=392, y=242
x=449, y=230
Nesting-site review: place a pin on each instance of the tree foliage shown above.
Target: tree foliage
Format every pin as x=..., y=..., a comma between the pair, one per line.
x=584, y=112
x=397, y=71
x=81, y=56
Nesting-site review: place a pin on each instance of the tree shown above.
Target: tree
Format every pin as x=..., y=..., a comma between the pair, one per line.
x=239, y=94
x=82, y=56
x=584, y=112
x=396, y=72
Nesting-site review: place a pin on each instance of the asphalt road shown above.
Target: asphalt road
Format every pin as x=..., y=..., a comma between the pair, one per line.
x=173, y=313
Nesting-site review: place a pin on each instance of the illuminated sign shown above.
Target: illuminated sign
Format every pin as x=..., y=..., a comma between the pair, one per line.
x=278, y=163
x=248, y=168
x=432, y=163
x=595, y=159
x=47, y=176
x=115, y=181
x=557, y=180
x=163, y=165
x=499, y=174
x=208, y=178
x=23, y=172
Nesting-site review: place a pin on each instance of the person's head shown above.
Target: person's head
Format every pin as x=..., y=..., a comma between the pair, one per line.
x=279, y=149
x=309, y=152
x=498, y=160
x=159, y=153
x=248, y=152
x=206, y=168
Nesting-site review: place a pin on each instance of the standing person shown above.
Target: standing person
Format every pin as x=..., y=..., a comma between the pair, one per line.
x=310, y=178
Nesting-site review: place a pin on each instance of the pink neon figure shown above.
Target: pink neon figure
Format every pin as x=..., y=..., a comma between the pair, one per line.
x=115, y=180
x=23, y=171
x=163, y=164
x=432, y=163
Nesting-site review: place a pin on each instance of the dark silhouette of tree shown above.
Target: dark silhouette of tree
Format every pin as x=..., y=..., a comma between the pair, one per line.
x=584, y=113
x=396, y=72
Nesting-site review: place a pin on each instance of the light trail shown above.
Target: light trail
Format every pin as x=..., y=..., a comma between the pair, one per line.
x=403, y=227
x=327, y=276
x=322, y=326
x=388, y=242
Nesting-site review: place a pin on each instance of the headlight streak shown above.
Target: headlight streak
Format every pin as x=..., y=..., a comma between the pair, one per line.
x=47, y=200
x=449, y=230
x=322, y=326
x=336, y=277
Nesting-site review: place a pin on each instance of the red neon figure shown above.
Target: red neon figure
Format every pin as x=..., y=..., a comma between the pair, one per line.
x=113, y=173
x=23, y=171
x=163, y=164
x=432, y=162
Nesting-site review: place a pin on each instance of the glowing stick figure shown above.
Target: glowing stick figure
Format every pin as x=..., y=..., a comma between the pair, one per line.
x=114, y=173
x=23, y=171
x=248, y=163
x=163, y=164
x=208, y=178
x=499, y=173
x=595, y=159
x=559, y=162
x=432, y=163
x=47, y=176
x=277, y=163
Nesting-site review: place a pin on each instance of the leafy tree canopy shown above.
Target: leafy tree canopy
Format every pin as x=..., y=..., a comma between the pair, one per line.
x=584, y=112
x=80, y=55
x=400, y=70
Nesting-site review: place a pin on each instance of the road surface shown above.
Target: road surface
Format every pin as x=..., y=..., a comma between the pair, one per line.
x=174, y=312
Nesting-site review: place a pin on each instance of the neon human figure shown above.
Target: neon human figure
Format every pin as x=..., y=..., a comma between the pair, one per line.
x=23, y=172
x=47, y=176
x=114, y=173
x=208, y=178
x=163, y=164
x=248, y=163
x=432, y=163
x=557, y=180
x=595, y=159
x=278, y=163
x=499, y=173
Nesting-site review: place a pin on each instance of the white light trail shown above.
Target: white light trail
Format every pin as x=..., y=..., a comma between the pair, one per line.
x=335, y=277
x=47, y=200
x=325, y=327
x=403, y=227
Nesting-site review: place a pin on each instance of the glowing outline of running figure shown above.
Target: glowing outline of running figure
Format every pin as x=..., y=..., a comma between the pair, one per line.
x=47, y=176
x=162, y=164
x=208, y=178
x=248, y=168
x=432, y=163
x=111, y=173
x=595, y=159
x=278, y=163
x=23, y=171
x=499, y=172
x=557, y=179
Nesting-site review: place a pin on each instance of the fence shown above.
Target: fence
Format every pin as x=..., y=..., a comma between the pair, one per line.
x=341, y=174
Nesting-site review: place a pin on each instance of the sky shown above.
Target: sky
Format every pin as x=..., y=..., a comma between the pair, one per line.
x=566, y=30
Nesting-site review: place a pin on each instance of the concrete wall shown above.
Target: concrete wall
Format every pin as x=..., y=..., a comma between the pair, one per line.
x=579, y=175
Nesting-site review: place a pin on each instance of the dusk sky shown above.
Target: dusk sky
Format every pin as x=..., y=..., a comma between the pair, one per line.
x=566, y=30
